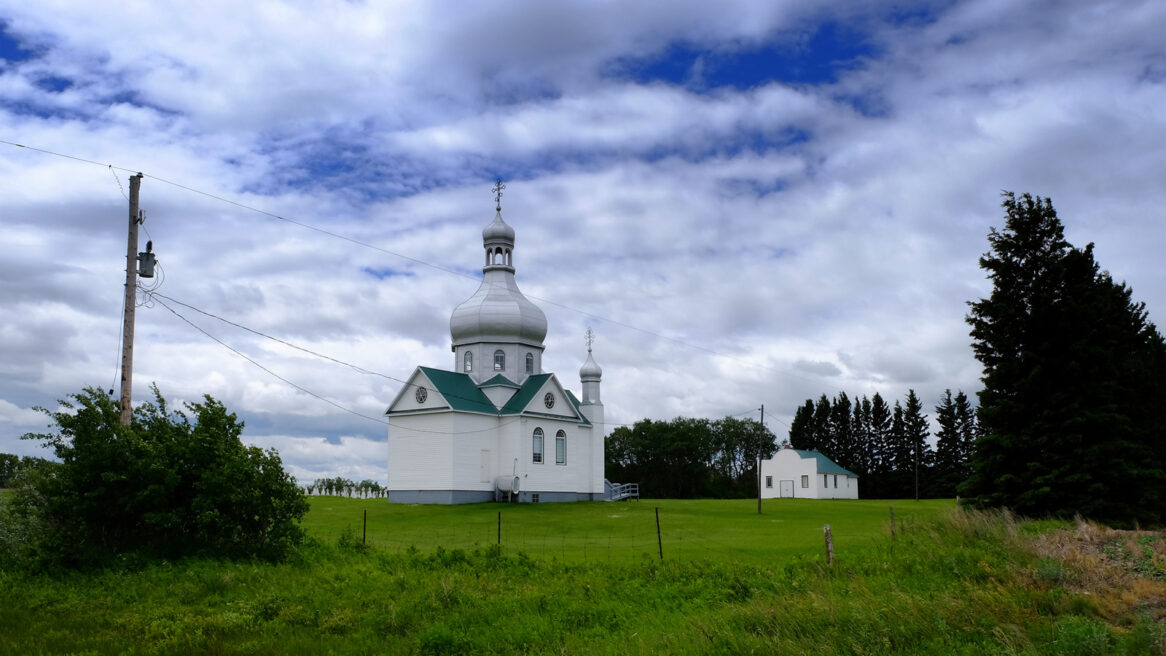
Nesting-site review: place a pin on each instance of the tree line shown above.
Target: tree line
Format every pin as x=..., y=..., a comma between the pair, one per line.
x=688, y=458
x=340, y=487
x=887, y=446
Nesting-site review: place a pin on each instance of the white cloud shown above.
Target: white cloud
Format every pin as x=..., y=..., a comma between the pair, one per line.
x=730, y=246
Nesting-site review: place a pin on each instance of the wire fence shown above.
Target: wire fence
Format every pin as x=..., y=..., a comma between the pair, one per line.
x=623, y=532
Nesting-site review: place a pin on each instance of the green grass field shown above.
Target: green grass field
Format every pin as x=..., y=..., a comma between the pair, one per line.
x=587, y=579
x=716, y=530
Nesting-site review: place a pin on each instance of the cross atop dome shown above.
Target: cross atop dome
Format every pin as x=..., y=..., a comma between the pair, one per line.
x=497, y=189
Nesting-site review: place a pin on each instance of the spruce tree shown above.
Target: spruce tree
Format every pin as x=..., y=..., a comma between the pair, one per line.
x=880, y=436
x=842, y=430
x=1074, y=372
x=948, y=447
x=900, y=463
x=823, y=436
x=801, y=431
x=916, y=433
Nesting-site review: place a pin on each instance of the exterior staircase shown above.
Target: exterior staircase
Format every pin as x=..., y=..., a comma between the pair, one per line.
x=620, y=491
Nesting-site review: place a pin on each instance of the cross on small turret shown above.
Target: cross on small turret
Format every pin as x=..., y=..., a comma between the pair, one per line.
x=497, y=189
x=590, y=339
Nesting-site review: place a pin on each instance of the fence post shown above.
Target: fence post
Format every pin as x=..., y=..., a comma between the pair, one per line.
x=499, y=528
x=892, y=523
x=659, y=542
x=364, y=533
x=829, y=546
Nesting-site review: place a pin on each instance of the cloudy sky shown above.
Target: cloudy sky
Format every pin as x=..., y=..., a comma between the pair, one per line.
x=749, y=202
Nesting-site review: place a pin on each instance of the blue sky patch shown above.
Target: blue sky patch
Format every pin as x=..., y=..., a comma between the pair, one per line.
x=810, y=57
x=11, y=48
x=386, y=272
x=54, y=84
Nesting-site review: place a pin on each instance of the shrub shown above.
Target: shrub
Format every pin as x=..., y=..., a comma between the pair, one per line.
x=165, y=486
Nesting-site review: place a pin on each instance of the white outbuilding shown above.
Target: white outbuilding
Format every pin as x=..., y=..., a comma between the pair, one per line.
x=497, y=426
x=797, y=474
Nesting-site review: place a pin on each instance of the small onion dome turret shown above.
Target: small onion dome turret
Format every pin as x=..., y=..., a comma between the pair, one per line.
x=498, y=230
x=590, y=371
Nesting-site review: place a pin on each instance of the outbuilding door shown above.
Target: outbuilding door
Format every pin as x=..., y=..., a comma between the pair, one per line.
x=785, y=489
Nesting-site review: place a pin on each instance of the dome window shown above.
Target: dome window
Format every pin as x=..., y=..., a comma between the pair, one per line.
x=468, y=361
x=499, y=360
x=530, y=363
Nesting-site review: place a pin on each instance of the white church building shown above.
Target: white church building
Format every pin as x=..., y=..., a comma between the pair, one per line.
x=496, y=426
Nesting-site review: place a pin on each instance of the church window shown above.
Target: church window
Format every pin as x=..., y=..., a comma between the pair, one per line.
x=469, y=361
x=561, y=448
x=499, y=360
x=537, y=446
x=530, y=363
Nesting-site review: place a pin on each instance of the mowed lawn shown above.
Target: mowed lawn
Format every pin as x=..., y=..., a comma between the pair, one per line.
x=705, y=529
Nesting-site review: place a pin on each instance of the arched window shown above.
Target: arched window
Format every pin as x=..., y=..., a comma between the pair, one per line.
x=530, y=363
x=536, y=446
x=561, y=448
x=499, y=360
x=469, y=361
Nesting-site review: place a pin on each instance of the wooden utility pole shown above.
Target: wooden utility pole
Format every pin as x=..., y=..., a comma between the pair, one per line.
x=127, y=336
x=759, y=460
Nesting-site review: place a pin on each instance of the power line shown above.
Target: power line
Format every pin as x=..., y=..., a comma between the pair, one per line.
x=265, y=369
x=313, y=353
x=438, y=267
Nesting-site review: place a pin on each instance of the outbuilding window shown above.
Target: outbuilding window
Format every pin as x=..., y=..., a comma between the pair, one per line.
x=805, y=480
x=537, y=446
x=825, y=480
x=499, y=360
x=561, y=448
x=835, y=481
x=768, y=481
x=469, y=361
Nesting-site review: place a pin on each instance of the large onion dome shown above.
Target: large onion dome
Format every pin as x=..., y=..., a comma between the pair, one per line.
x=498, y=312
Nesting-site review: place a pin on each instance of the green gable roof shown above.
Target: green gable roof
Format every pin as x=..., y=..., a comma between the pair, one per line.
x=459, y=390
x=825, y=465
x=525, y=394
x=575, y=402
x=500, y=381
x=461, y=393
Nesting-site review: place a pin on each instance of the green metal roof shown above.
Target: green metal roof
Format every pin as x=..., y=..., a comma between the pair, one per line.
x=825, y=465
x=524, y=395
x=459, y=390
x=461, y=393
x=500, y=381
x=575, y=402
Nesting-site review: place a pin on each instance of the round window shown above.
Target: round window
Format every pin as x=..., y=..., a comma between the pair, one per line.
x=549, y=400
x=421, y=394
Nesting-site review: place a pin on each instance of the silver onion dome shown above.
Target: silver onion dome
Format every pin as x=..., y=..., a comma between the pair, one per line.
x=498, y=312
x=590, y=370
